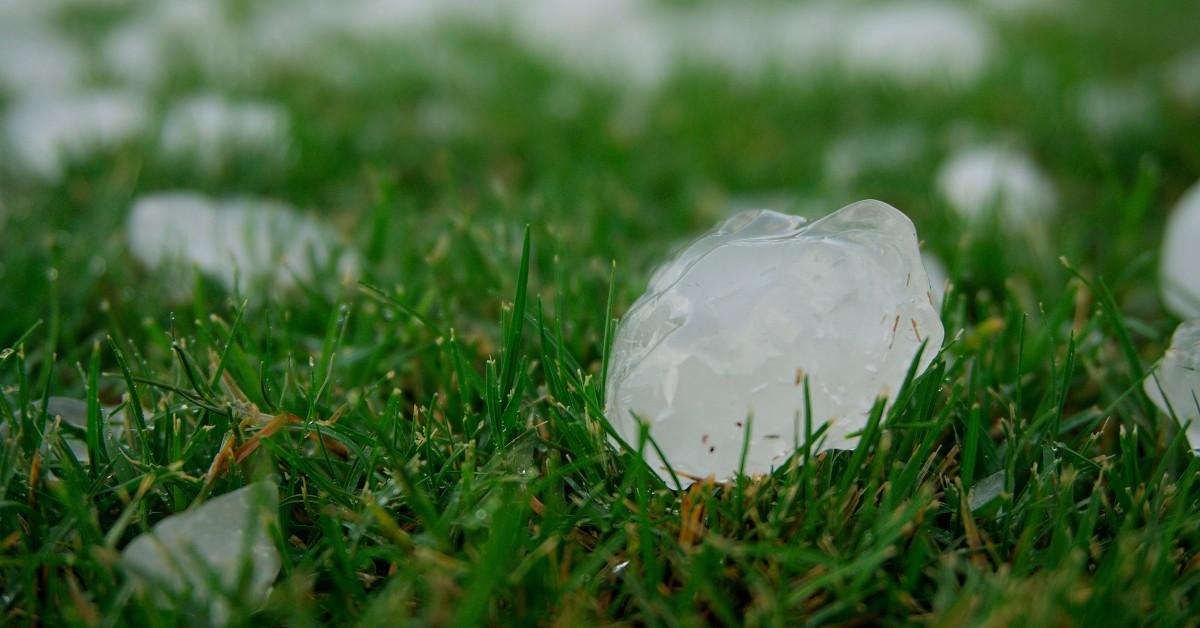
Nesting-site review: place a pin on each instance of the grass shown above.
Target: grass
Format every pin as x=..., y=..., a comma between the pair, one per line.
x=450, y=462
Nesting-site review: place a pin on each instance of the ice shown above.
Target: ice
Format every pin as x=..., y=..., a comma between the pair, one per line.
x=45, y=133
x=184, y=553
x=980, y=179
x=208, y=130
x=1112, y=109
x=247, y=240
x=36, y=60
x=986, y=490
x=1183, y=79
x=727, y=331
x=918, y=44
x=73, y=412
x=1178, y=276
x=1178, y=376
x=854, y=156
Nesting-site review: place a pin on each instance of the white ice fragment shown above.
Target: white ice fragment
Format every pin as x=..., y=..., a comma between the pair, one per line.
x=37, y=60
x=980, y=179
x=719, y=346
x=1175, y=383
x=883, y=150
x=208, y=130
x=1111, y=109
x=254, y=240
x=45, y=133
x=986, y=490
x=184, y=553
x=1179, y=270
x=919, y=44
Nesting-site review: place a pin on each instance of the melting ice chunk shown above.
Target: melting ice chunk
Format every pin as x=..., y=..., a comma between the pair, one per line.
x=187, y=552
x=1178, y=276
x=979, y=179
x=255, y=240
x=1176, y=381
x=717, y=349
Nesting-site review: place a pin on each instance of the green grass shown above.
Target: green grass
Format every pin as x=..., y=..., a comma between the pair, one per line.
x=451, y=464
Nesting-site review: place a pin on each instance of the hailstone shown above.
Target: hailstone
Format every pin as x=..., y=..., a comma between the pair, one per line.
x=715, y=355
x=1175, y=384
x=979, y=179
x=1178, y=275
x=188, y=552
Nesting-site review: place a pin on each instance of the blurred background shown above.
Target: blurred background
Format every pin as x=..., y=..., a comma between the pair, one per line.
x=408, y=142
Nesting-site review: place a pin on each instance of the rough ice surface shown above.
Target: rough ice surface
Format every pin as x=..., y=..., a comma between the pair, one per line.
x=729, y=329
x=1178, y=376
x=246, y=240
x=918, y=43
x=1179, y=277
x=45, y=133
x=183, y=552
x=980, y=179
x=208, y=130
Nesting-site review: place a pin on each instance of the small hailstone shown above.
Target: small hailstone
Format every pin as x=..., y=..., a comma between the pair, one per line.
x=1111, y=109
x=853, y=156
x=36, y=60
x=1183, y=79
x=255, y=240
x=727, y=331
x=1178, y=276
x=183, y=553
x=209, y=129
x=45, y=133
x=980, y=179
x=918, y=44
x=985, y=490
x=1178, y=376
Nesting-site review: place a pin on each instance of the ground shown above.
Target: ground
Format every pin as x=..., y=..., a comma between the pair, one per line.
x=439, y=437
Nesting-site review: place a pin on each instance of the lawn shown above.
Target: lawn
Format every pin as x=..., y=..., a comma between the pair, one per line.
x=436, y=426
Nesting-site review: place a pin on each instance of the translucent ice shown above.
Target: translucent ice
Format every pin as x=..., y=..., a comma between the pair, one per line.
x=980, y=179
x=185, y=553
x=727, y=331
x=246, y=239
x=1178, y=276
x=1177, y=380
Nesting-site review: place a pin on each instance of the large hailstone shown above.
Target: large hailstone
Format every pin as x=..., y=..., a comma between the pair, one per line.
x=238, y=239
x=728, y=330
x=1179, y=276
x=186, y=552
x=1176, y=381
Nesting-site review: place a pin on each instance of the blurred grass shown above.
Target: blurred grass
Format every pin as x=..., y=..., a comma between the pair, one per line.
x=415, y=491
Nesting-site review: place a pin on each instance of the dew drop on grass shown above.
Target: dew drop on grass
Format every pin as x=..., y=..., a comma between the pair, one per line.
x=730, y=327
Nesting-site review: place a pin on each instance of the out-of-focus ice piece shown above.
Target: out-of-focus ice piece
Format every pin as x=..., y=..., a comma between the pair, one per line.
x=1175, y=383
x=45, y=133
x=1183, y=79
x=1179, y=270
x=979, y=179
x=919, y=44
x=718, y=348
x=185, y=552
x=73, y=412
x=1110, y=110
x=195, y=33
x=852, y=156
x=209, y=130
x=36, y=60
x=255, y=240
